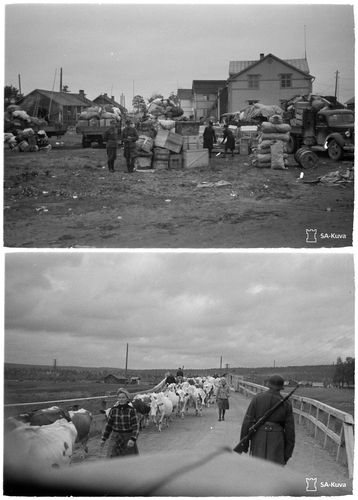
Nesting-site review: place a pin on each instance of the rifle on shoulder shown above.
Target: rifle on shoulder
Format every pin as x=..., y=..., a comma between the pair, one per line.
x=239, y=448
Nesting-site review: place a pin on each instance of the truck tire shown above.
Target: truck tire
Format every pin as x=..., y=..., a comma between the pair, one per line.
x=292, y=145
x=335, y=151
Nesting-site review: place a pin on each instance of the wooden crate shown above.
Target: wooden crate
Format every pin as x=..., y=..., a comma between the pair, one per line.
x=169, y=140
x=175, y=161
x=161, y=153
x=196, y=158
x=160, y=164
x=244, y=149
x=143, y=162
x=187, y=127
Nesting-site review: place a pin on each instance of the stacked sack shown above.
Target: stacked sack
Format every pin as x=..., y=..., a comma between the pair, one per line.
x=94, y=114
x=15, y=117
x=272, y=144
x=165, y=108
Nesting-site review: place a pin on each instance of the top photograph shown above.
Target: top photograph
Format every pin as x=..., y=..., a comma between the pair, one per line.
x=178, y=126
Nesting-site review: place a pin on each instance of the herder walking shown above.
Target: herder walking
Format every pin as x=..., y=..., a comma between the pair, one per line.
x=129, y=138
x=222, y=398
x=275, y=439
x=111, y=139
x=122, y=427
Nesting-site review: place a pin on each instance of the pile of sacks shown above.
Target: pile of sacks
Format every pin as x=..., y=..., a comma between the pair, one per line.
x=15, y=117
x=95, y=113
x=271, y=151
x=165, y=108
x=27, y=141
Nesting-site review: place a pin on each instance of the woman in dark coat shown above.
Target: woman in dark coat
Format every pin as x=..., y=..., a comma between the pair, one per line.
x=230, y=140
x=274, y=440
x=209, y=137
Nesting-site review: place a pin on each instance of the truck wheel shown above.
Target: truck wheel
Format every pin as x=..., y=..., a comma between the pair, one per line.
x=85, y=142
x=292, y=145
x=335, y=151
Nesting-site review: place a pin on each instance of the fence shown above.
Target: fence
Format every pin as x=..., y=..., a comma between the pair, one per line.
x=333, y=428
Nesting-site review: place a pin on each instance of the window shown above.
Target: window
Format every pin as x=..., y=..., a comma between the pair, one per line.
x=253, y=81
x=206, y=97
x=286, y=81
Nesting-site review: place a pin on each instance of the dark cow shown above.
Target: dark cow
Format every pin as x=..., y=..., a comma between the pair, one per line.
x=143, y=410
x=44, y=416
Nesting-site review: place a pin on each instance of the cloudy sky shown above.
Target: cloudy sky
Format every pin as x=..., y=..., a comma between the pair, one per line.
x=140, y=48
x=173, y=309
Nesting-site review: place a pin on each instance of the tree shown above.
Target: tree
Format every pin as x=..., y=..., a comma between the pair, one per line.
x=65, y=89
x=11, y=95
x=155, y=95
x=173, y=97
x=139, y=104
x=344, y=372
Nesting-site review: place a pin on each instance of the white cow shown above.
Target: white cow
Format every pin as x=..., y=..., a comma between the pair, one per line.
x=40, y=447
x=173, y=395
x=161, y=406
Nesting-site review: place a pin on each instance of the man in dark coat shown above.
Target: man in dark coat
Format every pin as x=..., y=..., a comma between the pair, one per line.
x=228, y=140
x=209, y=137
x=274, y=440
x=111, y=139
x=130, y=137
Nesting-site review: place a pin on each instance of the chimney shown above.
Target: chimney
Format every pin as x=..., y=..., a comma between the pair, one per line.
x=82, y=94
x=112, y=97
x=262, y=56
x=105, y=94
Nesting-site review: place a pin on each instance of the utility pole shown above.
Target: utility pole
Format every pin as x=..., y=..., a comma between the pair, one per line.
x=221, y=363
x=54, y=370
x=19, y=85
x=125, y=384
x=336, y=88
x=61, y=80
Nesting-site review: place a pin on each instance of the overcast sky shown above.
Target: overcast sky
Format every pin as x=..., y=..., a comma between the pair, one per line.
x=140, y=48
x=174, y=309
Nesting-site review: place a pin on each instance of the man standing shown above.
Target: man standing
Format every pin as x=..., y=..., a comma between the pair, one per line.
x=111, y=139
x=129, y=137
x=275, y=439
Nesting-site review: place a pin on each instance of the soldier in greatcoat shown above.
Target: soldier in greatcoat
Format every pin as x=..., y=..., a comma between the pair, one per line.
x=274, y=440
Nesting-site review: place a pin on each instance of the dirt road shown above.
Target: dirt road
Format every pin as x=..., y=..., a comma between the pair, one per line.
x=66, y=198
x=206, y=433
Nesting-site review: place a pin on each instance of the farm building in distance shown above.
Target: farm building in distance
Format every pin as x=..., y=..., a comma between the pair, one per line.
x=114, y=379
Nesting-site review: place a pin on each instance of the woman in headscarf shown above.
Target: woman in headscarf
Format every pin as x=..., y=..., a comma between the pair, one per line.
x=222, y=398
x=209, y=138
x=123, y=427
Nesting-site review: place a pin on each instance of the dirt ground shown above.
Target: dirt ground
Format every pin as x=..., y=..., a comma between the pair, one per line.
x=206, y=433
x=66, y=198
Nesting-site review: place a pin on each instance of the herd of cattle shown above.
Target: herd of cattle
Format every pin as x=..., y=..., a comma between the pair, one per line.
x=46, y=438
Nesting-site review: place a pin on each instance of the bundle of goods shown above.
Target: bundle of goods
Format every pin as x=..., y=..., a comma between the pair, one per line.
x=272, y=145
x=99, y=116
x=165, y=108
x=16, y=118
x=147, y=128
x=261, y=111
x=294, y=107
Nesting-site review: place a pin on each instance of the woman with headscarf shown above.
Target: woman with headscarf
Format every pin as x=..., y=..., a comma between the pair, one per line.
x=122, y=427
x=222, y=398
x=111, y=139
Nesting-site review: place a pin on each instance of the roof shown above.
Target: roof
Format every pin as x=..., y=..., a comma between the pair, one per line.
x=63, y=98
x=105, y=99
x=236, y=67
x=184, y=93
x=207, y=86
x=119, y=375
x=350, y=101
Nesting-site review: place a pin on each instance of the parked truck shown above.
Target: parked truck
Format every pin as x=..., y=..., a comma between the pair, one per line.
x=93, y=123
x=325, y=127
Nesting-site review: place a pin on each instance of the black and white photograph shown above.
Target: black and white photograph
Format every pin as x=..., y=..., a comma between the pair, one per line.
x=178, y=249
x=199, y=126
x=170, y=333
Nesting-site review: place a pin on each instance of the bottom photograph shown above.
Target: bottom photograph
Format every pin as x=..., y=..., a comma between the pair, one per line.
x=186, y=374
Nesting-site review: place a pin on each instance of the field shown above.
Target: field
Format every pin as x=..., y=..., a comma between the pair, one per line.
x=66, y=198
x=26, y=392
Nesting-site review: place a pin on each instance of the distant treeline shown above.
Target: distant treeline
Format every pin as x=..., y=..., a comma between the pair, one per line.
x=341, y=373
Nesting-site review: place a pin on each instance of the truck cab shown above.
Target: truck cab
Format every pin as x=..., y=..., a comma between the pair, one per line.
x=335, y=132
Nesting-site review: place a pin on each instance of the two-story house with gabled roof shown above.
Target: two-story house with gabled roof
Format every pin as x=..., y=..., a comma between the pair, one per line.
x=268, y=80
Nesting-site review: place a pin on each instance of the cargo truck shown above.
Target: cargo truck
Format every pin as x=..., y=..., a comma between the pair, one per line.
x=328, y=129
x=93, y=130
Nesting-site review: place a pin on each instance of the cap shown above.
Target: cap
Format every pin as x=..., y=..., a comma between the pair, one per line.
x=276, y=382
x=123, y=391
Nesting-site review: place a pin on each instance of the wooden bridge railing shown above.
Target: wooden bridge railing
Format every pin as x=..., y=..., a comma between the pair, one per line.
x=333, y=428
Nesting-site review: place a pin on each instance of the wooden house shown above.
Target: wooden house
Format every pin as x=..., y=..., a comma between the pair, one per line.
x=114, y=379
x=350, y=104
x=104, y=99
x=209, y=99
x=54, y=106
x=268, y=80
